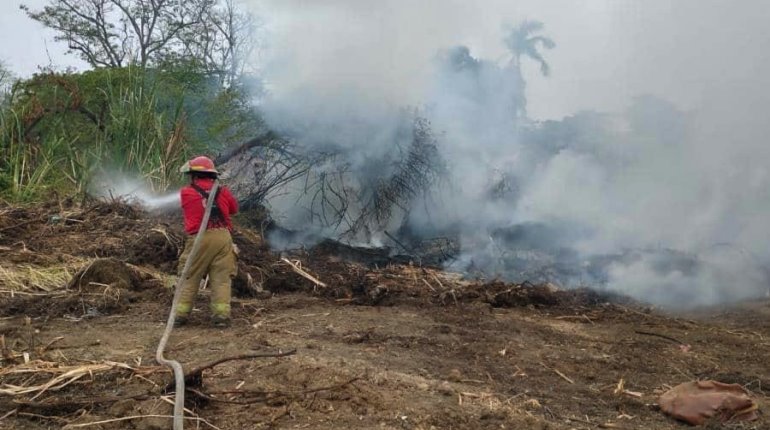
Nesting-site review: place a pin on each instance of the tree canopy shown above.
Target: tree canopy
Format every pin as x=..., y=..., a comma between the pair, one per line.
x=210, y=34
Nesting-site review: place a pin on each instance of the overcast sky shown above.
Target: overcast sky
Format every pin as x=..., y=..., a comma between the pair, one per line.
x=697, y=53
x=24, y=44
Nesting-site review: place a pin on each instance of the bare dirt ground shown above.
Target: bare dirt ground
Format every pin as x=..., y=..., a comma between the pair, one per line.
x=400, y=347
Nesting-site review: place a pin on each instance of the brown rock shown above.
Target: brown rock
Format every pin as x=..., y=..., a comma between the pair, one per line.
x=698, y=401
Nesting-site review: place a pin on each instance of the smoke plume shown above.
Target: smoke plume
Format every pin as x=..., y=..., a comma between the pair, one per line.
x=644, y=175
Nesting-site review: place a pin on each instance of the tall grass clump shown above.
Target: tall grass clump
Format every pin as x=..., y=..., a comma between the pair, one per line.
x=28, y=169
x=142, y=137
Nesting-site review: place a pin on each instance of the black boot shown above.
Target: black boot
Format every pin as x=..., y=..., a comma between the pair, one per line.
x=220, y=321
x=180, y=320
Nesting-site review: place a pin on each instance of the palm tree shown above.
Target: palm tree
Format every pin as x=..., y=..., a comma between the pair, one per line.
x=522, y=42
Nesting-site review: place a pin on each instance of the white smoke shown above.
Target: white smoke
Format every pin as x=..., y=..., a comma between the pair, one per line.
x=663, y=197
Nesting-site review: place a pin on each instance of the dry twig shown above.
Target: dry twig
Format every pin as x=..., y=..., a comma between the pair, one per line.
x=297, y=269
x=558, y=372
x=662, y=336
x=9, y=414
x=67, y=375
x=196, y=374
x=85, y=401
x=135, y=417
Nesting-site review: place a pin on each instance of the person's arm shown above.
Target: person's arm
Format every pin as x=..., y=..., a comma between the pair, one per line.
x=192, y=209
x=187, y=198
x=232, y=203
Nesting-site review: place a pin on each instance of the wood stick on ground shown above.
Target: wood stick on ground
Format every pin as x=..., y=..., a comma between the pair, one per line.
x=135, y=417
x=579, y=420
x=69, y=375
x=53, y=341
x=428, y=284
x=29, y=221
x=303, y=273
x=205, y=396
x=613, y=426
x=84, y=401
x=45, y=417
x=662, y=336
x=9, y=414
x=558, y=372
x=25, y=293
x=581, y=316
x=601, y=426
x=288, y=394
x=620, y=387
x=170, y=401
x=435, y=278
x=197, y=372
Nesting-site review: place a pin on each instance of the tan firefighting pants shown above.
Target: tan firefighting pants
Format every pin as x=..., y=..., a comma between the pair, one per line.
x=215, y=258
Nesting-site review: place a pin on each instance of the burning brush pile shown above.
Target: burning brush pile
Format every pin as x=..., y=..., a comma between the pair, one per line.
x=98, y=257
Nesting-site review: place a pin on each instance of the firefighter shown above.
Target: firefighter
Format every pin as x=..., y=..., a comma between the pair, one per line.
x=216, y=254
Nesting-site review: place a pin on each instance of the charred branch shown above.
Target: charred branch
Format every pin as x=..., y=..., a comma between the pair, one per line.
x=419, y=169
x=262, y=166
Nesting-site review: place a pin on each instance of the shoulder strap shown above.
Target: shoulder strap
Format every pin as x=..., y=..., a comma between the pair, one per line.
x=216, y=214
x=202, y=192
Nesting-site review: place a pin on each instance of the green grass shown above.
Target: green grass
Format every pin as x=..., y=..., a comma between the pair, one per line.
x=141, y=138
x=59, y=132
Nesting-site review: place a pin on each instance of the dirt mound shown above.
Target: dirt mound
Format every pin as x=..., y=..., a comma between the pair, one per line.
x=97, y=228
x=102, y=287
x=160, y=248
x=105, y=272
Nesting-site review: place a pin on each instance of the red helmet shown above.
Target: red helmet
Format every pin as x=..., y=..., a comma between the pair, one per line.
x=199, y=164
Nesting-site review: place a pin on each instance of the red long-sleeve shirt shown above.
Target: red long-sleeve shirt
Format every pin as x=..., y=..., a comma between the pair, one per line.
x=194, y=205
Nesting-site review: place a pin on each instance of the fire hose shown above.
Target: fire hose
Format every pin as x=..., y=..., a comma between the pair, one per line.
x=173, y=364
